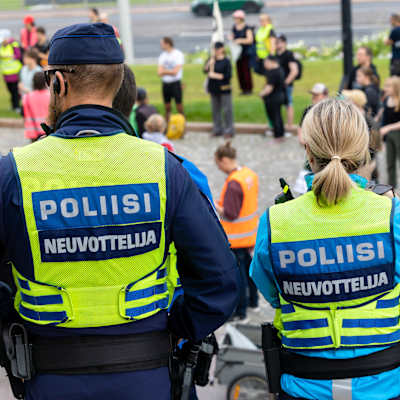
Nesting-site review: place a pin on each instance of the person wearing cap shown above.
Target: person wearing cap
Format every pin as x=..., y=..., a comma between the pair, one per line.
x=242, y=35
x=28, y=33
x=265, y=42
x=88, y=216
x=10, y=66
x=290, y=67
x=318, y=93
x=219, y=71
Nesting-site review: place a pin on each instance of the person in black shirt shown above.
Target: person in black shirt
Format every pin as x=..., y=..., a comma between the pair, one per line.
x=394, y=41
x=219, y=72
x=369, y=84
x=42, y=46
x=274, y=95
x=364, y=59
x=243, y=35
x=291, y=70
x=144, y=110
x=390, y=129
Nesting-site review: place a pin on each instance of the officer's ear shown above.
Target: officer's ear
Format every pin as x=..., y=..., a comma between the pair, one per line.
x=60, y=85
x=310, y=157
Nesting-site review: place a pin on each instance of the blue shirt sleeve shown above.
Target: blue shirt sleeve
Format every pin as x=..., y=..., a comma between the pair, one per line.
x=261, y=268
x=207, y=267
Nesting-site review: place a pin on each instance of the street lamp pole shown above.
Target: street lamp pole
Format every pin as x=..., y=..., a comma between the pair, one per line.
x=347, y=39
x=126, y=30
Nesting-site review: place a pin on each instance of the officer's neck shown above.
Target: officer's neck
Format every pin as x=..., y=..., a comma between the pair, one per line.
x=73, y=101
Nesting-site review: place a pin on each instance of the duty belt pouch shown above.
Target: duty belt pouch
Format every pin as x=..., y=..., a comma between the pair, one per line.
x=271, y=348
x=208, y=348
x=19, y=351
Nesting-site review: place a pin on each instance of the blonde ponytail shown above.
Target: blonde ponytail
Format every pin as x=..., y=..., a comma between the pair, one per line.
x=337, y=137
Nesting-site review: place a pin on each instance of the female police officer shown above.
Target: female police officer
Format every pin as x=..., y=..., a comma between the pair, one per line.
x=326, y=261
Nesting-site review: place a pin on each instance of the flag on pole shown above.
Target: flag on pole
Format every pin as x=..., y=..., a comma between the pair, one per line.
x=218, y=26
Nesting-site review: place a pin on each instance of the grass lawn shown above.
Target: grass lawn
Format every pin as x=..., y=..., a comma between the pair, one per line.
x=246, y=108
x=11, y=4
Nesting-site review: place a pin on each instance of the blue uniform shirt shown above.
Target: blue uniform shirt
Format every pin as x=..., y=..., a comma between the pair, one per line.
x=209, y=276
x=370, y=387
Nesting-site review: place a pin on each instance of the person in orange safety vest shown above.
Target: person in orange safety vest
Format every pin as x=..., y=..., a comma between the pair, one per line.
x=237, y=208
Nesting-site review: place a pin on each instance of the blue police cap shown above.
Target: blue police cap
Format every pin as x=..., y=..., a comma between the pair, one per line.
x=85, y=44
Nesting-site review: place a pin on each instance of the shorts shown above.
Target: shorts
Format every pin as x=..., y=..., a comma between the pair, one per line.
x=171, y=91
x=289, y=95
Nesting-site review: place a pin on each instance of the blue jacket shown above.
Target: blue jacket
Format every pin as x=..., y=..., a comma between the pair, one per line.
x=383, y=386
x=209, y=277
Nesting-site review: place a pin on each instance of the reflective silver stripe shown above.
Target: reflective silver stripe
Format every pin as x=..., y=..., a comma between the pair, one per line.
x=243, y=219
x=341, y=389
x=242, y=235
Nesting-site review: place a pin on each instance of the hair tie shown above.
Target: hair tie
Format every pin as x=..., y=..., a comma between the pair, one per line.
x=336, y=158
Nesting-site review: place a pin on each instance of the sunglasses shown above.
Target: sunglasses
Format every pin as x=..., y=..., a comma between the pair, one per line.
x=48, y=72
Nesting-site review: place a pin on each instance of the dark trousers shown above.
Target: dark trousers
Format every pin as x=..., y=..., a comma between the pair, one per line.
x=13, y=89
x=273, y=105
x=392, y=155
x=244, y=74
x=221, y=105
x=248, y=295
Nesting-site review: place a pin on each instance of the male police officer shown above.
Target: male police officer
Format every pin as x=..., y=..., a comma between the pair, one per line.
x=88, y=216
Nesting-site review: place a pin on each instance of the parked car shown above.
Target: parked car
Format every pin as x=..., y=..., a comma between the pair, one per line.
x=203, y=8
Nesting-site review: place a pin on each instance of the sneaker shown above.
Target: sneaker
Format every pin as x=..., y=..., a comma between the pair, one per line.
x=239, y=318
x=255, y=309
x=268, y=133
x=288, y=134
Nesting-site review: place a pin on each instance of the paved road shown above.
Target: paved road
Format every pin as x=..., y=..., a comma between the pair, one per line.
x=269, y=160
x=316, y=24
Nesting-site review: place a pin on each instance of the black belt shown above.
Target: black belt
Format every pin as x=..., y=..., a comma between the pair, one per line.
x=325, y=368
x=100, y=354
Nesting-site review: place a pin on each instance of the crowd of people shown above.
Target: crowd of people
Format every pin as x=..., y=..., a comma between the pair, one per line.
x=21, y=64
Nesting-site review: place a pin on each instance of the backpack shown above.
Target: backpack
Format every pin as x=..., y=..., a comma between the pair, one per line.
x=300, y=67
x=176, y=126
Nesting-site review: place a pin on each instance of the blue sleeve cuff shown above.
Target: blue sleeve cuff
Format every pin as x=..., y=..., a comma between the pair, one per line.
x=261, y=268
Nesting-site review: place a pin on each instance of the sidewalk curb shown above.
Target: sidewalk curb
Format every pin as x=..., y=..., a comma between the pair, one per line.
x=18, y=123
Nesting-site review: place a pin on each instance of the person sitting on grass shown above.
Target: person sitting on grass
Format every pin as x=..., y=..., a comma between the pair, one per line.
x=155, y=126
